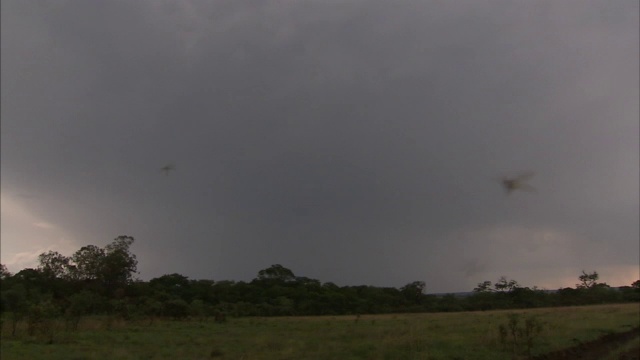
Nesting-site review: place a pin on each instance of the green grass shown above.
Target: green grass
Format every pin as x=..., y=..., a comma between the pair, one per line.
x=469, y=335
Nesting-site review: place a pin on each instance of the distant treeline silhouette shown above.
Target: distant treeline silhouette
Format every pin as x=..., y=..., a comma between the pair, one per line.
x=98, y=280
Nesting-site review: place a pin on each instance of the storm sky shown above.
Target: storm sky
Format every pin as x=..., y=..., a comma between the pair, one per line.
x=357, y=142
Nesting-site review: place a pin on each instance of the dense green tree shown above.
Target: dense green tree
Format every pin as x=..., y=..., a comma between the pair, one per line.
x=32, y=280
x=330, y=286
x=202, y=290
x=119, y=264
x=150, y=308
x=16, y=303
x=54, y=265
x=568, y=297
x=276, y=272
x=88, y=262
x=4, y=272
x=414, y=292
x=176, y=308
x=631, y=293
x=110, y=268
x=170, y=282
x=98, y=280
x=57, y=270
x=198, y=309
x=175, y=285
x=4, y=275
x=307, y=282
x=483, y=299
x=82, y=304
x=41, y=319
x=121, y=308
x=449, y=303
x=524, y=297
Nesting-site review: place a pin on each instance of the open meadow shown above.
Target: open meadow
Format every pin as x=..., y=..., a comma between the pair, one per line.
x=461, y=335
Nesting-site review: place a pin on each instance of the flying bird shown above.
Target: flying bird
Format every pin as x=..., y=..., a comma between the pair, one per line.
x=511, y=184
x=167, y=168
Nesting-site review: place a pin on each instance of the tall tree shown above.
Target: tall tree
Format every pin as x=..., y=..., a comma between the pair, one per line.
x=504, y=285
x=276, y=272
x=482, y=287
x=589, y=281
x=88, y=262
x=414, y=291
x=4, y=272
x=119, y=263
x=111, y=267
x=54, y=265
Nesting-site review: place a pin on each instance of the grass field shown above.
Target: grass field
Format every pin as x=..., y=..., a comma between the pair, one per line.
x=468, y=335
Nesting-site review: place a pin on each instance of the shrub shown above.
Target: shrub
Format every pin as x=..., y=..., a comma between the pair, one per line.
x=41, y=320
x=80, y=304
x=176, y=308
x=519, y=336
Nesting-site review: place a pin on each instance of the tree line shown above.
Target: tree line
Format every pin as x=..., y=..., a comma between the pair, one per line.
x=98, y=280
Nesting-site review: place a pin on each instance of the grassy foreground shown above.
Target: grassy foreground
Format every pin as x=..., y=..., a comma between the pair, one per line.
x=468, y=335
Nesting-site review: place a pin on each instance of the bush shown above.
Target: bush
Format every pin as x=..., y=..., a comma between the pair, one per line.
x=150, y=309
x=41, y=320
x=15, y=301
x=80, y=304
x=176, y=308
x=519, y=337
x=198, y=309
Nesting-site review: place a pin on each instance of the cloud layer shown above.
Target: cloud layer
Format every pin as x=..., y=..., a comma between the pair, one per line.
x=357, y=143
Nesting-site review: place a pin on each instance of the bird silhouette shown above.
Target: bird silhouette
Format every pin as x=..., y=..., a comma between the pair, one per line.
x=511, y=184
x=167, y=168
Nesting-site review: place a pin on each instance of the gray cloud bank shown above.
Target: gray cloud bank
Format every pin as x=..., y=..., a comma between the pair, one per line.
x=355, y=142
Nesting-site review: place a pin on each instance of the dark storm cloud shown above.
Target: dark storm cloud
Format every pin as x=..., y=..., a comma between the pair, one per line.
x=353, y=142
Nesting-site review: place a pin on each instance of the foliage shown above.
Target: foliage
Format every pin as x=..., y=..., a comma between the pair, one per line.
x=414, y=291
x=54, y=265
x=109, y=268
x=15, y=300
x=276, y=272
x=589, y=281
x=119, y=263
x=4, y=273
x=88, y=263
x=505, y=285
x=484, y=286
x=198, y=309
x=41, y=320
x=176, y=309
x=518, y=336
x=96, y=280
x=81, y=304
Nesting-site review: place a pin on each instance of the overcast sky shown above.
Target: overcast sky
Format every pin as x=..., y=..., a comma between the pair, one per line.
x=357, y=142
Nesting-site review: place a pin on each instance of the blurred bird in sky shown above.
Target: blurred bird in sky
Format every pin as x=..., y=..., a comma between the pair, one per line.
x=167, y=168
x=511, y=184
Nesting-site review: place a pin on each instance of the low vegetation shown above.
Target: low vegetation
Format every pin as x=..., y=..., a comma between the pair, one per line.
x=462, y=335
x=100, y=281
x=84, y=303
